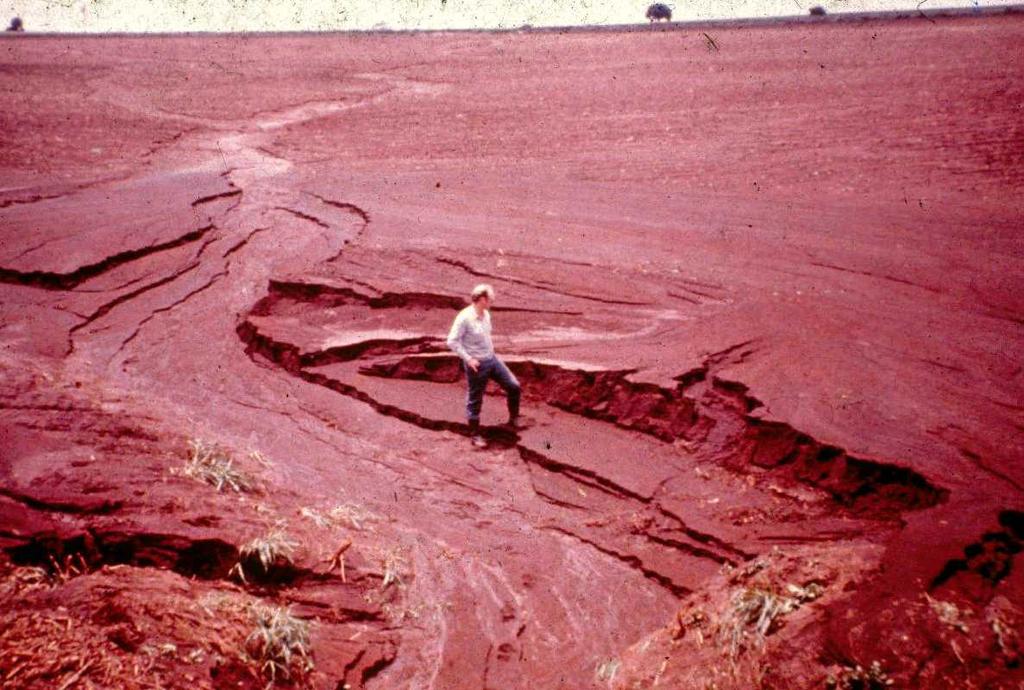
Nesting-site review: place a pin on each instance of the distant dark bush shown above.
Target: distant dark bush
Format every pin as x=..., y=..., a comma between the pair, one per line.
x=659, y=11
x=16, y=25
x=817, y=11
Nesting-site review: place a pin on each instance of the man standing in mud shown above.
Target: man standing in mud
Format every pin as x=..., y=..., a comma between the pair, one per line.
x=470, y=339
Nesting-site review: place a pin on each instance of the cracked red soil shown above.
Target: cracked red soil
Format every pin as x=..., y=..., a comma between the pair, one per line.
x=767, y=318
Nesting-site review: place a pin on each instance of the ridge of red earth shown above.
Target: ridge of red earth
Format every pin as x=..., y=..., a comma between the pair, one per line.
x=764, y=299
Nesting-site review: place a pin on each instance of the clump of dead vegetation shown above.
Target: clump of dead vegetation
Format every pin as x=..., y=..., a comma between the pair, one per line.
x=266, y=554
x=757, y=611
x=394, y=570
x=756, y=608
x=118, y=626
x=353, y=515
x=279, y=644
x=859, y=678
x=20, y=580
x=1006, y=634
x=68, y=640
x=949, y=613
x=211, y=463
x=49, y=649
x=393, y=564
x=346, y=515
x=340, y=521
x=730, y=632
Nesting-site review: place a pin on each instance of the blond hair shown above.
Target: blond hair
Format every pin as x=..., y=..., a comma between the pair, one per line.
x=481, y=290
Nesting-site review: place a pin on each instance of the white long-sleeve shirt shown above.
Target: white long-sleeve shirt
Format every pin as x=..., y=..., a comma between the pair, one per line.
x=470, y=337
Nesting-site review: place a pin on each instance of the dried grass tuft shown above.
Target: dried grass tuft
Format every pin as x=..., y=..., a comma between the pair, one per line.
x=859, y=678
x=352, y=515
x=948, y=613
x=279, y=645
x=392, y=566
x=755, y=612
x=212, y=464
x=269, y=551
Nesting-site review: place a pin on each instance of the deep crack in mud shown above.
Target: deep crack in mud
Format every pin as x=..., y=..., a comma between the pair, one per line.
x=712, y=416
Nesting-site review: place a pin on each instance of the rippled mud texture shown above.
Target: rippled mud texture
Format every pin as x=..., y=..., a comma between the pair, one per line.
x=764, y=302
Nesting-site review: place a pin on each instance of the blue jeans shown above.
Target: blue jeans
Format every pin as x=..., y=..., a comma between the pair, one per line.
x=490, y=368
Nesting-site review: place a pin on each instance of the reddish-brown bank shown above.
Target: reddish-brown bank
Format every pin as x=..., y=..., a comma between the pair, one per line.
x=762, y=287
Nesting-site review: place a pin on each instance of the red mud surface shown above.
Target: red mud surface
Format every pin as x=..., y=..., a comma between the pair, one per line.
x=762, y=287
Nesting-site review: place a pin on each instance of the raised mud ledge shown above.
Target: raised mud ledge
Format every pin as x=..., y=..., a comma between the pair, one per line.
x=688, y=413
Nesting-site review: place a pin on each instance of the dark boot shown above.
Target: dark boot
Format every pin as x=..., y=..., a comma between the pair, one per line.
x=519, y=422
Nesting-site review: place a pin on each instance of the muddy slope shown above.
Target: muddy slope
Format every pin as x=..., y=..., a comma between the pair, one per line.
x=763, y=294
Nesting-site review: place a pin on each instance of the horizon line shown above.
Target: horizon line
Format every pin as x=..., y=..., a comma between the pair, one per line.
x=805, y=18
